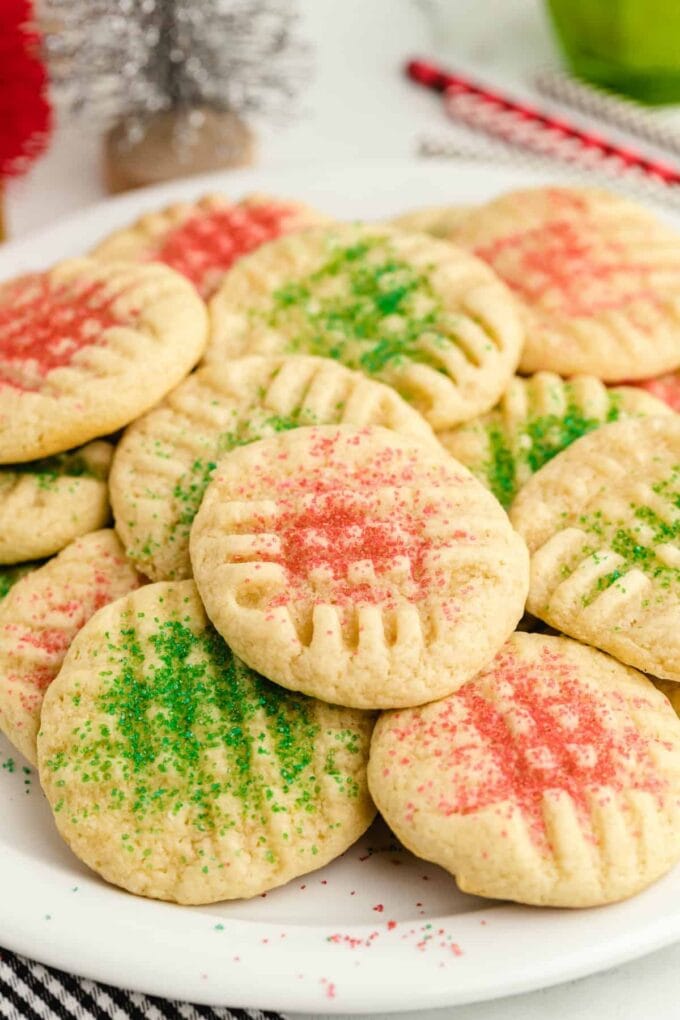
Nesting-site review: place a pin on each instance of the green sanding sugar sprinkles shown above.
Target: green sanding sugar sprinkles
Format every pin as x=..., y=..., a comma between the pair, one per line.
x=344, y=310
x=190, y=487
x=188, y=490
x=602, y=523
x=647, y=540
x=178, y=773
x=537, y=418
x=91, y=461
x=406, y=309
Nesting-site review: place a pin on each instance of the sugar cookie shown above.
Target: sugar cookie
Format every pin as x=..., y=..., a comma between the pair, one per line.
x=597, y=278
x=552, y=778
x=536, y=418
x=438, y=220
x=176, y=772
x=602, y=522
x=87, y=347
x=357, y=565
x=45, y=504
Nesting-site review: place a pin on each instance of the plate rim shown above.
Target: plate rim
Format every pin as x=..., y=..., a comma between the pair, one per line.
x=241, y=987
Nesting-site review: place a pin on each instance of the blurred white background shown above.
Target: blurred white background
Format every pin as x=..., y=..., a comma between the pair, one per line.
x=358, y=105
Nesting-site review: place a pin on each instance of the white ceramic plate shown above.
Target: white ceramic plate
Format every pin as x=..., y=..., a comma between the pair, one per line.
x=377, y=930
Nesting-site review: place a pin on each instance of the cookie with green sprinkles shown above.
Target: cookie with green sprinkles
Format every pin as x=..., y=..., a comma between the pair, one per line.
x=537, y=417
x=602, y=523
x=407, y=309
x=176, y=772
x=40, y=617
x=45, y=504
x=165, y=460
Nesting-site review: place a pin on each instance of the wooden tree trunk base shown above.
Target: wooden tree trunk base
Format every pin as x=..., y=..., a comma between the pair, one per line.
x=175, y=143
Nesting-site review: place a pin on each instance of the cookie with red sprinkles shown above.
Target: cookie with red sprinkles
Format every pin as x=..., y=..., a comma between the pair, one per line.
x=86, y=347
x=166, y=459
x=602, y=523
x=596, y=276
x=357, y=565
x=552, y=778
x=41, y=615
x=45, y=504
x=406, y=309
x=178, y=773
x=664, y=387
x=203, y=239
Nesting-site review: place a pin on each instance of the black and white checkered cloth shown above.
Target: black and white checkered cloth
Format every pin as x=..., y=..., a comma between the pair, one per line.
x=30, y=991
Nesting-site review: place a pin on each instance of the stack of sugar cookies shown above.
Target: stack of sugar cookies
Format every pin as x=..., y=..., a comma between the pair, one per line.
x=396, y=525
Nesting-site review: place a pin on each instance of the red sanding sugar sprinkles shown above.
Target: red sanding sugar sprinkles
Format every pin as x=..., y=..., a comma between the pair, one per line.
x=46, y=646
x=338, y=546
x=521, y=732
x=568, y=267
x=41, y=616
x=208, y=243
x=44, y=324
x=373, y=534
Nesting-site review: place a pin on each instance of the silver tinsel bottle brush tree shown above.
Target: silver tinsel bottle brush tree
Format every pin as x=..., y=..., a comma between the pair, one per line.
x=176, y=84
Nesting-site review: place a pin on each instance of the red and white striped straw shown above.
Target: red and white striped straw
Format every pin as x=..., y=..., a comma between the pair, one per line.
x=488, y=110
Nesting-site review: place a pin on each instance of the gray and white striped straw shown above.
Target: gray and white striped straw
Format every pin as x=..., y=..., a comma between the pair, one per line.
x=620, y=112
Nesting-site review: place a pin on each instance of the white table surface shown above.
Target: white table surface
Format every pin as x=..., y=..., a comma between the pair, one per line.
x=358, y=107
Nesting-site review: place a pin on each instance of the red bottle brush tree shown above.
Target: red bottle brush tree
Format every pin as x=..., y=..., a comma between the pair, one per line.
x=25, y=115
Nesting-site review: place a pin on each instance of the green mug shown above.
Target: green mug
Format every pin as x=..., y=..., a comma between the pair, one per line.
x=631, y=46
